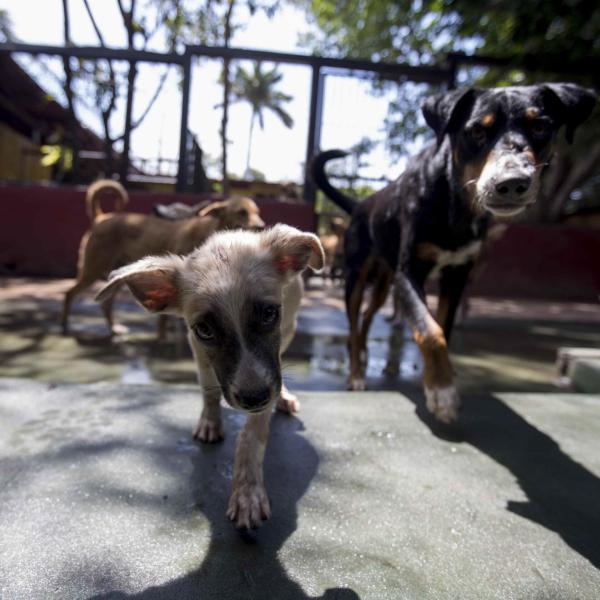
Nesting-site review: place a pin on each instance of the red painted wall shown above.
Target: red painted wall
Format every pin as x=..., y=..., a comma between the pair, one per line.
x=41, y=227
x=40, y=230
x=544, y=261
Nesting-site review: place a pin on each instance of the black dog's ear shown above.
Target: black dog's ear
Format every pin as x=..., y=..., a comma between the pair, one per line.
x=572, y=104
x=443, y=112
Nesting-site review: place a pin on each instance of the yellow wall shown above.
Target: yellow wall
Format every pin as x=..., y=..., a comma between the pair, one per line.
x=17, y=164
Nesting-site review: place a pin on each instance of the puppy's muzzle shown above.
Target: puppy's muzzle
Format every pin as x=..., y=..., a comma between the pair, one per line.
x=252, y=400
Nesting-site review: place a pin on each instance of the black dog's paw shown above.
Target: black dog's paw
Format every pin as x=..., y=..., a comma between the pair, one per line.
x=443, y=403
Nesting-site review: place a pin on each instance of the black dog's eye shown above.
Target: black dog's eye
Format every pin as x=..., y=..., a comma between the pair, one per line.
x=204, y=331
x=478, y=133
x=270, y=314
x=539, y=127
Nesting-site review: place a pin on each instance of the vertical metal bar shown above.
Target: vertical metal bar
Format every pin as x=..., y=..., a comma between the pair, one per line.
x=124, y=167
x=452, y=68
x=185, y=107
x=314, y=130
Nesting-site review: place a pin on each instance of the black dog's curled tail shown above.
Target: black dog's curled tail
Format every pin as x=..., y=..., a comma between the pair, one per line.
x=346, y=203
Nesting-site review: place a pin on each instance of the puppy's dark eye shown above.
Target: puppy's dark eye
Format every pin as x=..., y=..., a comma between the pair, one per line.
x=270, y=315
x=204, y=331
x=478, y=133
x=242, y=212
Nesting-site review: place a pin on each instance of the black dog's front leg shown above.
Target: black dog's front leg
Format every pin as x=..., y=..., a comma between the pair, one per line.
x=438, y=378
x=453, y=281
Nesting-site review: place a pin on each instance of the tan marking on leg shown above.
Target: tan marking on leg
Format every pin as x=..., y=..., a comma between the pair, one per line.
x=442, y=310
x=438, y=378
x=378, y=298
x=437, y=369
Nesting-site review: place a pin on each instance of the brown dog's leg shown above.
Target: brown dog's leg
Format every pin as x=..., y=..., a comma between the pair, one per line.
x=438, y=377
x=70, y=294
x=249, y=504
x=161, y=327
x=355, y=289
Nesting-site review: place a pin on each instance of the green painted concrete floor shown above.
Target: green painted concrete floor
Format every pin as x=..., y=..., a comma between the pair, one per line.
x=103, y=494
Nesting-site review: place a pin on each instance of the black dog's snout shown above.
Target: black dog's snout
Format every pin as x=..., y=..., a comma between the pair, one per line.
x=513, y=187
x=253, y=399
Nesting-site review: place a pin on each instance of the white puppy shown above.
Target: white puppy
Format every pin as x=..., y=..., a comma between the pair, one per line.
x=239, y=294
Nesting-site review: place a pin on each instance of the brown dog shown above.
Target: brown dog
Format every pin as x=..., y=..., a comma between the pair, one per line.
x=118, y=238
x=333, y=246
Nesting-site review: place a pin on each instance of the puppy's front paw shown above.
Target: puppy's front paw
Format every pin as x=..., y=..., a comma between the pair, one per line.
x=249, y=506
x=443, y=402
x=288, y=402
x=357, y=384
x=119, y=329
x=208, y=431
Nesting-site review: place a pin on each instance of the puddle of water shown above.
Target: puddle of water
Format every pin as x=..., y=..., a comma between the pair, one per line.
x=393, y=356
x=136, y=372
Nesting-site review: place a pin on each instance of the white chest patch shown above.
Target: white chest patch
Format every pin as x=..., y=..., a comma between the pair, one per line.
x=448, y=258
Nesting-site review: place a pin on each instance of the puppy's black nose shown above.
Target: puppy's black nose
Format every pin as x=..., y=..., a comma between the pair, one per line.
x=253, y=399
x=513, y=187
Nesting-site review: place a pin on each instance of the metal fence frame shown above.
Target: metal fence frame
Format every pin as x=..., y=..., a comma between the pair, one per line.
x=443, y=74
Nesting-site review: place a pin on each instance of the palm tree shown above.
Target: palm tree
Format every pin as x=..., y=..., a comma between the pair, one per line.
x=257, y=88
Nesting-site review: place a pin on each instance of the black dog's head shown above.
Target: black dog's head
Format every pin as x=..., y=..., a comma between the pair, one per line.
x=502, y=138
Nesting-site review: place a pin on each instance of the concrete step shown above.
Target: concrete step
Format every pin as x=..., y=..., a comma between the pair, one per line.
x=585, y=375
x=566, y=357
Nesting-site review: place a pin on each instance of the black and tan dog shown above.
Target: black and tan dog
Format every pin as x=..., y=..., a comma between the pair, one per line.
x=492, y=145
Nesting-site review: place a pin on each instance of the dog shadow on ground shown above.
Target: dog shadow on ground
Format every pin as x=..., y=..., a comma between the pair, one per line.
x=246, y=565
x=563, y=496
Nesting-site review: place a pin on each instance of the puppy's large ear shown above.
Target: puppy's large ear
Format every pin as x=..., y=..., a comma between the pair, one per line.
x=214, y=209
x=154, y=281
x=445, y=112
x=572, y=104
x=294, y=250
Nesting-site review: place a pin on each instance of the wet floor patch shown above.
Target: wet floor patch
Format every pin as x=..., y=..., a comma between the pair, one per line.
x=516, y=352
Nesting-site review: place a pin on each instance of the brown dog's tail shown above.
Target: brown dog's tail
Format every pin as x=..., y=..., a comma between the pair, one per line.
x=92, y=197
x=318, y=172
